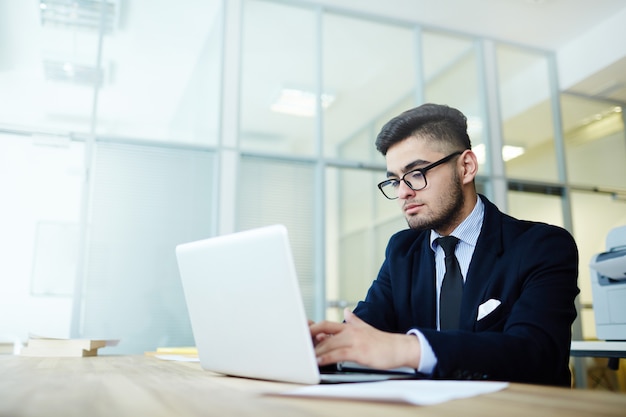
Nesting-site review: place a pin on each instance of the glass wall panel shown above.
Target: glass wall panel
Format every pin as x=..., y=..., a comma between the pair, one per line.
x=161, y=71
x=544, y=208
x=278, y=79
x=526, y=110
x=360, y=221
x=595, y=148
x=451, y=77
x=146, y=200
x=48, y=69
x=595, y=142
x=369, y=70
x=594, y=215
x=276, y=191
x=41, y=181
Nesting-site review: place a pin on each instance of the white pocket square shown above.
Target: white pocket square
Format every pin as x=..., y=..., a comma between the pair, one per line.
x=487, y=307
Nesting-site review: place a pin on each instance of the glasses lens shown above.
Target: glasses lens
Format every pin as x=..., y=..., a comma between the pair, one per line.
x=390, y=189
x=415, y=179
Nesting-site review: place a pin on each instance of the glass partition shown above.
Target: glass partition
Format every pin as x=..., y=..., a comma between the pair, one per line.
x=451, y=76
x=146, y=200
x=595, y=142
x=595, y=147
x=41, y=180
x=535, y=206
x=48, y=68
x=360, y=221
x=369, y=71
x=527, y=121
x=161, y=64
x=278, y=79
x=274, y=191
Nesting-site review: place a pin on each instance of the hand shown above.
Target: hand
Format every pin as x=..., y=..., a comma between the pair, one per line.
x=359, y=342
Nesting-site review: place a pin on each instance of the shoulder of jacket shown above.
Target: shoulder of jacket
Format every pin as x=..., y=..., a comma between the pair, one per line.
x=409, y=238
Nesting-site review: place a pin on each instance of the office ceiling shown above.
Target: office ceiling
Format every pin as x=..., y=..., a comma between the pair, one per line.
x=545, y=24
x=153, y=27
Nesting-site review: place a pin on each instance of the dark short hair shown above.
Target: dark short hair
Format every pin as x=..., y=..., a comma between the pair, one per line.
x=436, y=122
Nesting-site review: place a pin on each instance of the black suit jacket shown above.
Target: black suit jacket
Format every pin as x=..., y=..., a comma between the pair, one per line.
x=532, y=268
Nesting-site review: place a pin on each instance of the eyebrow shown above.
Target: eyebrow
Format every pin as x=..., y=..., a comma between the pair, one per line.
x=408, y=167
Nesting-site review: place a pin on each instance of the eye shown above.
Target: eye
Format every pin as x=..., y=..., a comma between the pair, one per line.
x=416, y=175
x=393, y=183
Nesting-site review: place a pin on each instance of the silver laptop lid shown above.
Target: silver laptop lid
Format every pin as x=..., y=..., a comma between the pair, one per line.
x=245, y=306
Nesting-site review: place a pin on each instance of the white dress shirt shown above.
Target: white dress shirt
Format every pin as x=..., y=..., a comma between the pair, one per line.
x=467, y=233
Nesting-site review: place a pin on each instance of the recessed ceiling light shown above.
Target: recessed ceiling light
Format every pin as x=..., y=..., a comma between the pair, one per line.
x=72, y=72
x=508, y=152
x=511, y=152
x=298, y=102
x=83, y=14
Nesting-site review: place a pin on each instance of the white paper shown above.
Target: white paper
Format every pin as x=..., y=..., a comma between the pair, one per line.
x=418, y=392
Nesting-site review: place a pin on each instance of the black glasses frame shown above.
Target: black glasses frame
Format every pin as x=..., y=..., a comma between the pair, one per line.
x=420, y=170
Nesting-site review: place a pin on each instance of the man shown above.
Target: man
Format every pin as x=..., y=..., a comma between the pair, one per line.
x=515, y=290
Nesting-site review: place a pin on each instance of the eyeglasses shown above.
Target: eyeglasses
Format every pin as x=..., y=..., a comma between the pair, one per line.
x=416, y=179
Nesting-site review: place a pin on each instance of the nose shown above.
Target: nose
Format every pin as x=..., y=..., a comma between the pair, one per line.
x=404, y=191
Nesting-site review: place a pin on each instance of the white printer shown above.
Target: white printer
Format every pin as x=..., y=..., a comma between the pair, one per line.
x=608, y=285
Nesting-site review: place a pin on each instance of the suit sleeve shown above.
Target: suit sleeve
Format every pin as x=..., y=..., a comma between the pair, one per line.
x=403, y=295
x=378, y=307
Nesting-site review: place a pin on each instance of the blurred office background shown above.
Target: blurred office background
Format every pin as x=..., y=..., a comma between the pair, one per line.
x=130, y=126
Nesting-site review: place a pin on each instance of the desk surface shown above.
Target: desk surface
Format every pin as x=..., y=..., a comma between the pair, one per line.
x=145, y=386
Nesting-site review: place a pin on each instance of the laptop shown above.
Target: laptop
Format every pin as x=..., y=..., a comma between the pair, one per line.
x=247, y=314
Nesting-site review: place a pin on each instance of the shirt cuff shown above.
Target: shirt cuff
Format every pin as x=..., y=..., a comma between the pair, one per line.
x=428, y=360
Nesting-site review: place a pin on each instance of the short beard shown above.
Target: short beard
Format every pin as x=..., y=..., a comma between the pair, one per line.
x=451, y=206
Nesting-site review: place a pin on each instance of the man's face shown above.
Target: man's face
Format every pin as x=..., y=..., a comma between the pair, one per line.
x=437, y=206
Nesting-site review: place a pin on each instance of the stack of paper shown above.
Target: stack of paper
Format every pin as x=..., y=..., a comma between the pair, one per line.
x=418, y=392
x=40, y=346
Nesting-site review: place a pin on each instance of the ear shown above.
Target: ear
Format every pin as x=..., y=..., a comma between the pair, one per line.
x=468, y=166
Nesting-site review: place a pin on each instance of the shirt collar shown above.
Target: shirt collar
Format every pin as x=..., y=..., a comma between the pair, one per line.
x=468, y=230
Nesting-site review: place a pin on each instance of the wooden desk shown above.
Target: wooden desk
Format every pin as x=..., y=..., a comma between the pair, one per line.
x=137, y=386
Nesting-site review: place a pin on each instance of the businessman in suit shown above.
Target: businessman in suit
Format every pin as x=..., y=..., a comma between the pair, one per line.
x=509, y=303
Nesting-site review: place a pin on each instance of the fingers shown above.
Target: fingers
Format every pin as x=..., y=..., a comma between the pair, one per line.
x=327, y=327
x=357, y=341
x=335, y=342
x=332, y=349
x=324, y=329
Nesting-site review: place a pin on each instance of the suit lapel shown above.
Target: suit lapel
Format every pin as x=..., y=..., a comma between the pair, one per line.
x=423, y=293
x=479, y=274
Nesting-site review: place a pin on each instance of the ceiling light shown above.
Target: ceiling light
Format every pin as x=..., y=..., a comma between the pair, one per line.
x=480, y=152
x=84, y=14
x=71, y=72
x=508, y=152
x=300, y=102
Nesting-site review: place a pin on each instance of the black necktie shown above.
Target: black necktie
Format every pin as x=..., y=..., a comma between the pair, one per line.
x=451, y=287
